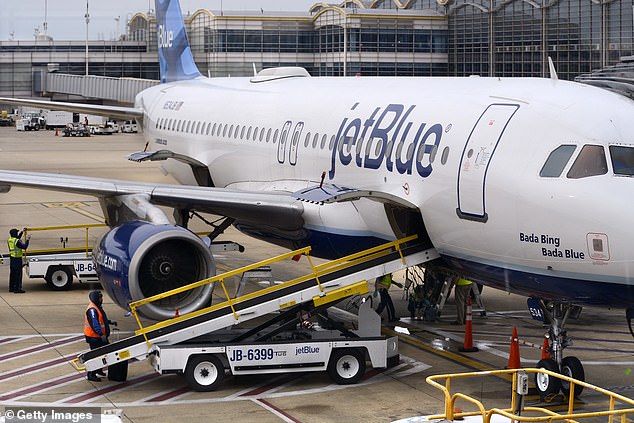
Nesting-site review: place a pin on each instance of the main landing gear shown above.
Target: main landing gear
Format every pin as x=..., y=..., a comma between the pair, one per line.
x=556, y=314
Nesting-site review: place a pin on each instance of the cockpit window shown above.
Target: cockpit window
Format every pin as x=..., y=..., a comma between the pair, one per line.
x=622, y=160
x=556, y=161
x=590, y=162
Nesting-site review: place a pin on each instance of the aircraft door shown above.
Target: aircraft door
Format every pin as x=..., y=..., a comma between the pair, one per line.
x=297, y=132
x=476, y=157
x=281, y=146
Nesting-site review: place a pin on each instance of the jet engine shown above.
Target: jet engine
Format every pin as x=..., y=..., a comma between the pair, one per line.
x=138, y=259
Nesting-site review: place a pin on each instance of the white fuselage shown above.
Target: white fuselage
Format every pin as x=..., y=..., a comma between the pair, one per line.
x=466, y=152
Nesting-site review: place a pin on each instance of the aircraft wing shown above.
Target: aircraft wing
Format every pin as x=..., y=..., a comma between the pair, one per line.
x=118, y=112
x=276, y=209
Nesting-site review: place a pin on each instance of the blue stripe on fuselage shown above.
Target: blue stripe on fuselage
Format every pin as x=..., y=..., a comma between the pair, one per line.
x=571, y=289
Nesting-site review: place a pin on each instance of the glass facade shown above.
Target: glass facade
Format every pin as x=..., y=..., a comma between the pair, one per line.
x=515, y=38
x=367, y=37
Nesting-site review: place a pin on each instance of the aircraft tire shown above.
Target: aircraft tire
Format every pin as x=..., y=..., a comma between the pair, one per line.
x=547, y=385
x=346, y=365
x=204, y=372
x=572, y=367
x=59, y=278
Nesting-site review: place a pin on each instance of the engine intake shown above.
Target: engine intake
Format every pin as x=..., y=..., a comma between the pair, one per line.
x=137, y=260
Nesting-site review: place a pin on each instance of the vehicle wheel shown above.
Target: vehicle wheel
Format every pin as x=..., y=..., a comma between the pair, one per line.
x=572, y=367
x=346, y=365
x=59, y=278
x=546, y=384
x=204, y=372
x=37, y=127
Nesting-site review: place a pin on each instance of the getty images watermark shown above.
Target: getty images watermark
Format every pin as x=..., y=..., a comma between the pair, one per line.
x=53, y=415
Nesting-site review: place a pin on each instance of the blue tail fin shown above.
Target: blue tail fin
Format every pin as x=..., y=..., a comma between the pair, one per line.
x=175, y=55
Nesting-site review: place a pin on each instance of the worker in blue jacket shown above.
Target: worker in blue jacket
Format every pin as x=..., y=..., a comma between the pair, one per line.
x=96, y=328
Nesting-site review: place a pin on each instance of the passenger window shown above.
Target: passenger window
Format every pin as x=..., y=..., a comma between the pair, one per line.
x=261, y=134
x=268, y=135
x=590, y=162
x=445, y=155
x=249, y=133
x=275, y=136
x=242, y=132
x=237, y=131
x=170, y=125
x=255, y=134
x=178, y=127
x=198, y=128
x=332, y=143
x=557, y=161
x=208, y=128
x=315, y=140
x=213, y=130
x=307, y=140
x=622, y=160
x=224, y=130
x=230, y=131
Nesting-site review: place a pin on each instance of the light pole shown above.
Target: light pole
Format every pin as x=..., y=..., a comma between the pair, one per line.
x=87, y=16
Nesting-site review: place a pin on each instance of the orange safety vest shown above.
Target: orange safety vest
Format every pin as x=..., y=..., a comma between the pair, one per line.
x=88, y=330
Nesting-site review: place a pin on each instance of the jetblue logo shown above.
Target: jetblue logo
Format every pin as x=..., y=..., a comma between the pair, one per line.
x=165, y=38
x=386, y=137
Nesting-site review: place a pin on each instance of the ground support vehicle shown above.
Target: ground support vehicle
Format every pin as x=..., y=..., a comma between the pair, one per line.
x=59, y=269
x=58, y=119
x=33, y=123
x=129, y=126
x=263, y=350
x=76, y=130
x=102, y=130
x=283, y=313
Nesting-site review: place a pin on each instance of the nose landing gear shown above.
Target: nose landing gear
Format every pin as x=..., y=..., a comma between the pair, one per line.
x=556, y=314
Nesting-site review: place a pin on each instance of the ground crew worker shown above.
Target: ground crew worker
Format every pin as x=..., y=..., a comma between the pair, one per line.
x=96, y=328
x=16, y=252
x=382, y=285
x=462, y=291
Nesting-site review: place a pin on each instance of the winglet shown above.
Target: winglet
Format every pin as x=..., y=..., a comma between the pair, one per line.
x=551, y=68
x=175, y=55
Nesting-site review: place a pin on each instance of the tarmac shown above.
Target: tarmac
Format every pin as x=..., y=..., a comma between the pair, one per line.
x=41, y=330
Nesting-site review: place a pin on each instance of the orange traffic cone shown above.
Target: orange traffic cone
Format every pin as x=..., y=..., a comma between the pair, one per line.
x=545, y=349
x=176, y=313
x=468, y=335
x=514, y=356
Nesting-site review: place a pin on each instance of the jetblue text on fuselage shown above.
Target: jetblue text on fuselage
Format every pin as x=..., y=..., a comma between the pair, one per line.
x=384, y=137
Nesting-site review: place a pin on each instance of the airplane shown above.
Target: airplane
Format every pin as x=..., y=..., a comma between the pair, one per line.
x=518, y=183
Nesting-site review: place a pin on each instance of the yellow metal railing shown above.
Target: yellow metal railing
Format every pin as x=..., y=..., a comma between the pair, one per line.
x=539, y=414
x=86, y=247
x=316, y=273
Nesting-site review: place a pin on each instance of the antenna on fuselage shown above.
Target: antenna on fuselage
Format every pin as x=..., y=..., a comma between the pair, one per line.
x=551, y=68
x=255, y=71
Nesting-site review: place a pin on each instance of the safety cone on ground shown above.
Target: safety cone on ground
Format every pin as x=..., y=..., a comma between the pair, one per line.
x=176, y=313
x=468, y=332
x=545, y=349
x=56, y=132
x=514, y=356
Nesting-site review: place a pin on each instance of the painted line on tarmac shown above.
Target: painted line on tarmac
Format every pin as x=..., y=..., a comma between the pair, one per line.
x=169, y=395
x=9, y=340
x=34, y=350
x=271, y=385
x=275, y=410
x=108, y=389
x=39, y=387
x=38, y=366
x=76, y=207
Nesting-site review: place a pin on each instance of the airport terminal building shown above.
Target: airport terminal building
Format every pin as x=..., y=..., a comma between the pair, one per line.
x=365, y=37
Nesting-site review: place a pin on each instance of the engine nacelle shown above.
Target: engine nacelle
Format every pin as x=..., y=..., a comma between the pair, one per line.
x=137, y=260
